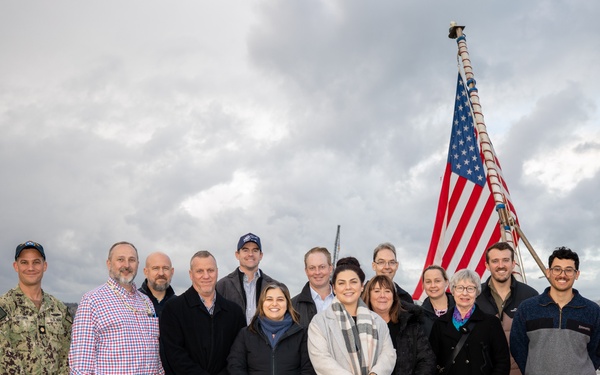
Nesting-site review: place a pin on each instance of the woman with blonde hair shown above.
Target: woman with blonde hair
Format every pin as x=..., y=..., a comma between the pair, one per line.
x=274, y=343
x=435, y=283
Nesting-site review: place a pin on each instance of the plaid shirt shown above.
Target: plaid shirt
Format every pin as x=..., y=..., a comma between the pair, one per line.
x=115, y=332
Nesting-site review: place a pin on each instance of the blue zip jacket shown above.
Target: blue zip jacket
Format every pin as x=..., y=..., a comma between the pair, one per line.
x=546, y=339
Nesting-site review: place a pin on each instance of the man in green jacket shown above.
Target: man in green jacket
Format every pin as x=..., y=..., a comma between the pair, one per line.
x=35, y=327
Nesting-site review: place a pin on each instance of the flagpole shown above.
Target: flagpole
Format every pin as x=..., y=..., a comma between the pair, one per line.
x=505, y=219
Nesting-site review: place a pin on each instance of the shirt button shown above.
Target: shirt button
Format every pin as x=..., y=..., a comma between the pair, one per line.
x=467, y=361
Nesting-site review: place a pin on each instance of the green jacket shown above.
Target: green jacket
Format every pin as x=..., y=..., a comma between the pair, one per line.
x=33, y=341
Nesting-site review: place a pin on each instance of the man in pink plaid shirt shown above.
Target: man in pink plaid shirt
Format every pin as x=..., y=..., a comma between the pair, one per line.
x=115, y=331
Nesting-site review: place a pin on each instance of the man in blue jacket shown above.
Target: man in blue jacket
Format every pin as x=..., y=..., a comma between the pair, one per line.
x=557, y=332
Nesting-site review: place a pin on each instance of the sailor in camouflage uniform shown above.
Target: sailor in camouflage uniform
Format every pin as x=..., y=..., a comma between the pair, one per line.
x=35, y=327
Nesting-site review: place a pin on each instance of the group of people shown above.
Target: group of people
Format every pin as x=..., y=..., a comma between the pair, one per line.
x=247, y=323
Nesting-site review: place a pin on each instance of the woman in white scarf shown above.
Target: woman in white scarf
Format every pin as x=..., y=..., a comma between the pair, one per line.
x=348, y=338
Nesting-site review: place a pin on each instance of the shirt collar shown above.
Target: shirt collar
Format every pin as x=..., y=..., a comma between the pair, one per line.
x=316, y=295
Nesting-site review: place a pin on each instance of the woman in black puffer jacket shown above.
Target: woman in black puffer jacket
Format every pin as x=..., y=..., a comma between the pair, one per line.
x=274, y=343
x=405, y=322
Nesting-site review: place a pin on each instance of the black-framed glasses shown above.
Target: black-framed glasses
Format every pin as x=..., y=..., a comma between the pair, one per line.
x=460, y=289
x=569, y=271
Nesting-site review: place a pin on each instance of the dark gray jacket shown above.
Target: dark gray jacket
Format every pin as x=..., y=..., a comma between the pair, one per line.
x=231, y=287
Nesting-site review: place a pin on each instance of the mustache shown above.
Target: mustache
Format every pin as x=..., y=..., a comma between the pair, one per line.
x=128, y=269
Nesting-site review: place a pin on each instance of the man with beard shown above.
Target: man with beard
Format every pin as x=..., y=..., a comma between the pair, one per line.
x=115, y=330
x=501, y=294
x=558, y=332
x=157, y=286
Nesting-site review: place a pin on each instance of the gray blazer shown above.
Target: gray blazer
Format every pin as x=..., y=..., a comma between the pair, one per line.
x=327, y=349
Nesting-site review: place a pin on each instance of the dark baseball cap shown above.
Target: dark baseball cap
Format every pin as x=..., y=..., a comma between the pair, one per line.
x=249, y=237
x=30, y=245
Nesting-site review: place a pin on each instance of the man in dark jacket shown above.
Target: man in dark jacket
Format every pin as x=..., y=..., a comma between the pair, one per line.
x=198, y=328
x=317, y=293
x=157, y=286
x=502, y=294
x=385, y=263
x=244, y=285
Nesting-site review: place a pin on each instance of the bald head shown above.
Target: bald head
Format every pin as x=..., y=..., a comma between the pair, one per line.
x=158, y=271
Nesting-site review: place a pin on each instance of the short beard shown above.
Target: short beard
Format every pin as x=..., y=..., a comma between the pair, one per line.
x=159, y=287
x=122, y=279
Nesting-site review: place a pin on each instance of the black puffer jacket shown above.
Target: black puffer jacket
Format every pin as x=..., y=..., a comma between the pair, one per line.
x=414, y=354
x=252, y=354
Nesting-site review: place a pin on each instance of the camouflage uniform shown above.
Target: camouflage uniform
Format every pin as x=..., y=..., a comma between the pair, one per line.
x=33, y=342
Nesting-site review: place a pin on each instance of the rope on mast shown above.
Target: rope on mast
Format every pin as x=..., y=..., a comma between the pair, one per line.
x=506, y=220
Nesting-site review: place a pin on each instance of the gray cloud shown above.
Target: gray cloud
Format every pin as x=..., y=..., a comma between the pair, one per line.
x=192, y=125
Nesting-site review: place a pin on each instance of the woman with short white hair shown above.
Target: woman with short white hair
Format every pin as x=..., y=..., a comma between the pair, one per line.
x=465, y=340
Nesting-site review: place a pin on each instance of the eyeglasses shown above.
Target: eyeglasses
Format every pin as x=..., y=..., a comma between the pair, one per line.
x=390, y=263
x=460, y=289
x=556, y=271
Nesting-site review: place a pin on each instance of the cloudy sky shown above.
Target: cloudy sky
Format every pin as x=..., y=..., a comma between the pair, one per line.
x=180, y=126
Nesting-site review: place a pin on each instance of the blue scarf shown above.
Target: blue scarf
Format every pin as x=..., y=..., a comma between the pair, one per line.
x=458, y=320
x=274, y=329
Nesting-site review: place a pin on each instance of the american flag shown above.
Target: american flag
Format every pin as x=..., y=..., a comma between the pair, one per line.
x=466, y=222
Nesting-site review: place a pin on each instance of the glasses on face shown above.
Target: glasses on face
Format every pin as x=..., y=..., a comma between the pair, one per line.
x=556, y=271
x=461, y=289
x=389, y=263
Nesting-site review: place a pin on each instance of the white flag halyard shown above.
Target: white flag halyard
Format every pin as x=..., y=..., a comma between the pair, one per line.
x=466, y=222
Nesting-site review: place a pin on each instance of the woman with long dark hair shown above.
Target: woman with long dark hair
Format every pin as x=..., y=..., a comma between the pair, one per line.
x=274, y=343
x=348, y=338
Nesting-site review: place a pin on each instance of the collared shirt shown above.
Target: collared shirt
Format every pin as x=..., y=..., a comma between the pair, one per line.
x=322, y=304
x=210, y=309
x=115, y=332
x=250, y=289
x=32, y=340
x=497, y=298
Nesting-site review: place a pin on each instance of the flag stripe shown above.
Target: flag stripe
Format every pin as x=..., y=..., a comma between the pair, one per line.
x=466, y=221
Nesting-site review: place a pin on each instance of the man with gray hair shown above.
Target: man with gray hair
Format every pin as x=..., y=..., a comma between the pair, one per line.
x=157, y=286
x=385, y=263
x=198, y=327
x=116, y=329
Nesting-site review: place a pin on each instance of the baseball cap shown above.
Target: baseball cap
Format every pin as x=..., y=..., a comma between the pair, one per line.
x=30, y=245
x=249, y=237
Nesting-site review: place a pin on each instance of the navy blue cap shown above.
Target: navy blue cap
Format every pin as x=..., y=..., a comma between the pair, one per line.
x=30, y=245
x=249, y=237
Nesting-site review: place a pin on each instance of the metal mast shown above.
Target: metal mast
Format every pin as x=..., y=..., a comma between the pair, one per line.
x=336, y=247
